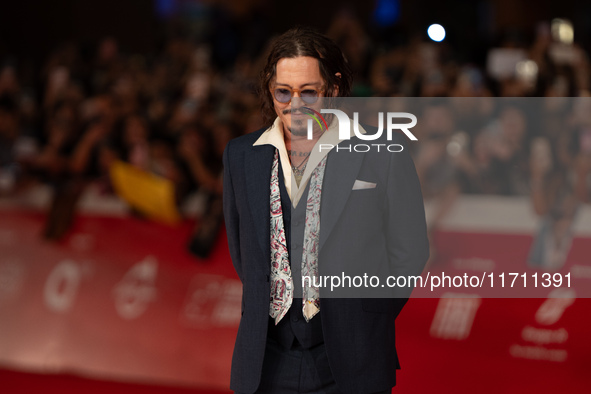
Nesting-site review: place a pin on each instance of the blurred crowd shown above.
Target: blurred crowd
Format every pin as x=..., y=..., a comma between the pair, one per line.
x=171, y=112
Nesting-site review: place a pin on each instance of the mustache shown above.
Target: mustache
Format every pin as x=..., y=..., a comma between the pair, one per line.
x=299, y=110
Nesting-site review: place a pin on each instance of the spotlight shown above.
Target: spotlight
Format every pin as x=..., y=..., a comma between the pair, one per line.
x=436, y=32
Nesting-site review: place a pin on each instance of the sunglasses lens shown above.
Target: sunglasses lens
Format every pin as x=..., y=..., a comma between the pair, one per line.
x=282, y=95
x=309, y=96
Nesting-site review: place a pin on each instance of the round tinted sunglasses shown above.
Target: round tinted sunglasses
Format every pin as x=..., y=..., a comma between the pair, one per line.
x=308, y=96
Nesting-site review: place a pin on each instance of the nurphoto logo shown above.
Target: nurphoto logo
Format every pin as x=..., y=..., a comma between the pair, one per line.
x=345, y=129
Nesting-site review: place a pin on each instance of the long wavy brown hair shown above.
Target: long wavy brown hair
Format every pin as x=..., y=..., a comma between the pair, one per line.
x=305, y=41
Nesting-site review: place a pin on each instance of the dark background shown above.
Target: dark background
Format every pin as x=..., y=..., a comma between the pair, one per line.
x=32, y=28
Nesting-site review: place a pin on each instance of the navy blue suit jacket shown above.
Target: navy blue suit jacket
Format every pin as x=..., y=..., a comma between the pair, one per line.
x=385, y=224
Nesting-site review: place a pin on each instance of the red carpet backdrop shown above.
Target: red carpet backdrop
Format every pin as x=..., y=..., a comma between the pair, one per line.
x=120, y=300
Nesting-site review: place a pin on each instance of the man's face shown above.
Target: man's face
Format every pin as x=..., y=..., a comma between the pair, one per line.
x=294, y=76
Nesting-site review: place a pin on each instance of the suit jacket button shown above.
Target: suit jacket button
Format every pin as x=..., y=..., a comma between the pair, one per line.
x=295, y=318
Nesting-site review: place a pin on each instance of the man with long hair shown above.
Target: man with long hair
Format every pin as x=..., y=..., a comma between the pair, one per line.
x=291, y=210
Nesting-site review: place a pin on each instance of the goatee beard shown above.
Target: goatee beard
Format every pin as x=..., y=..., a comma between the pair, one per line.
x=298, y=132
x=298, y=129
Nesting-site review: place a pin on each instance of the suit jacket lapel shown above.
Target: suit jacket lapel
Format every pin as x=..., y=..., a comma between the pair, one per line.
x=258, y=162
x=339, y=177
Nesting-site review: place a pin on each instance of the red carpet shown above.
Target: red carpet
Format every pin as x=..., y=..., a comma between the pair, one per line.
x=121, y=301
x=26, y=383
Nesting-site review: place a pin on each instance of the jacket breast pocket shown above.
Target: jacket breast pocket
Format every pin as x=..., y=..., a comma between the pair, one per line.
x=367, y=199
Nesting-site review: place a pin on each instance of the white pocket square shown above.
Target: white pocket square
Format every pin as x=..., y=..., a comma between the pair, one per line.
x=360, y=185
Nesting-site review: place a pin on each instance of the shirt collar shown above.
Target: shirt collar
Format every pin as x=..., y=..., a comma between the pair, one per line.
x=274, y=136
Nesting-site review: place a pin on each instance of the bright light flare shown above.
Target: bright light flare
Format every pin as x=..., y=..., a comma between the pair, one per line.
x=436, y=32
